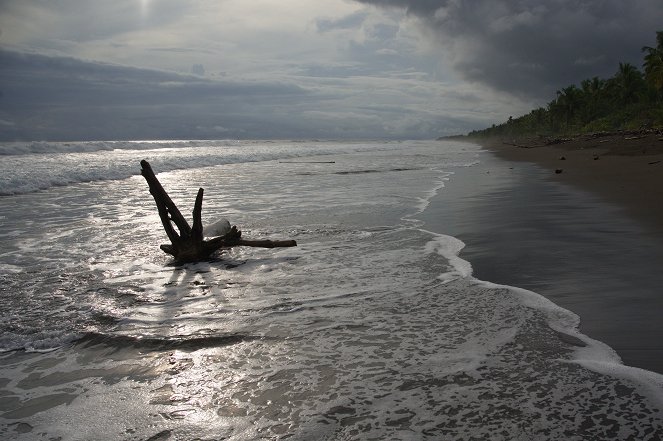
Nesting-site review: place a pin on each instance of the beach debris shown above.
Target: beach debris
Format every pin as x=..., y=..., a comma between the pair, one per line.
x=562, y=158
x=187, y=244
x=555, y=141
x=220, y=227
x=558, y=171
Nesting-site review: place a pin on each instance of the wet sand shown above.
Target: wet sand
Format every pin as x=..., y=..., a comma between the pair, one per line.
x=626, y=169
x=589, y=238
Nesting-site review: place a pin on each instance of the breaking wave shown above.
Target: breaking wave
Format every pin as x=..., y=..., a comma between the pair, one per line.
x=29, y=167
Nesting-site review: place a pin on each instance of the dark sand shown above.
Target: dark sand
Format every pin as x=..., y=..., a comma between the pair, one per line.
x=623, y=168
x=589, y=238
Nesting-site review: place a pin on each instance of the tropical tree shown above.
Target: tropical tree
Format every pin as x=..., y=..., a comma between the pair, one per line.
x=539, y=117
x=629, y=99
x=568, y=102
x=592, y=94
x=628, y=82
x=593, y=86
x=653, y=63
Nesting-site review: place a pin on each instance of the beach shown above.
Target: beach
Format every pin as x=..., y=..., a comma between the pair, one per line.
x=590, y=231
x=624, y=168
x=437, y=291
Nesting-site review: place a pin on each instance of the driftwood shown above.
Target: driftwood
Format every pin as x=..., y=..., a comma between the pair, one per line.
x=188, y=244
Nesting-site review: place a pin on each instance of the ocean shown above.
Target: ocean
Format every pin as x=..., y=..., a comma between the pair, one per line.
x=376, y=326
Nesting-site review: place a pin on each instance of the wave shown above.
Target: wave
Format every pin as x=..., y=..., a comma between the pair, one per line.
x=43, y=341
x=587, y=352
x=361, y=172
x=181, y=342
x=45, y=147
x=564, y=324
x=50, y=341
x=32, y=167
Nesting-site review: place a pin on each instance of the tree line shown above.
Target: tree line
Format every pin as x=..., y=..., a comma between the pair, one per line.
x=630, y=100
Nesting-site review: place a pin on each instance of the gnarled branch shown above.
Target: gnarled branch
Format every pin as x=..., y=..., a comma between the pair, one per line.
x=188, y=245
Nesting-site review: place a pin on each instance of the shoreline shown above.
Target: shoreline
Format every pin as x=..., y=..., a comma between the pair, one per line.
x=622, y=168
x=567, y=236
x=594, y=248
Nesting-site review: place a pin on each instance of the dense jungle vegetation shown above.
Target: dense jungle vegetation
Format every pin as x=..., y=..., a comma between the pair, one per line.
x=630, y=100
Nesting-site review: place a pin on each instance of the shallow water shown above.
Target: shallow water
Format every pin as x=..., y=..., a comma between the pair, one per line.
x=372, y=328
x=573, y=247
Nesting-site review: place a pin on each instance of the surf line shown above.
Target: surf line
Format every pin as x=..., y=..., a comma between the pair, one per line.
x=307, y=162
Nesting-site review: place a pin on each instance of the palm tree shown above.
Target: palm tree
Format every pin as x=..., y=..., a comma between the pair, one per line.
x=654, y=63
x=593, y=86
x=592, y=93
x=629, y=83
x=568, y=102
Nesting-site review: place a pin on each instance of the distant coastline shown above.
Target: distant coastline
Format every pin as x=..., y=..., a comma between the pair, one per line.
x=605, y=136
x=629, y=100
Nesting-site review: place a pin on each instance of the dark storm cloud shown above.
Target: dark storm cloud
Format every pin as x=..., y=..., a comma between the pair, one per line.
x=39, y=79
x=44, y=97
x=533, y=47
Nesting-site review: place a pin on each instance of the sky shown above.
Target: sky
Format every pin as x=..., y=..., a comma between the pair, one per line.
x=300, y=69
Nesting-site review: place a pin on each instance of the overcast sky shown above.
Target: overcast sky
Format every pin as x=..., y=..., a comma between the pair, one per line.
x=157, y=69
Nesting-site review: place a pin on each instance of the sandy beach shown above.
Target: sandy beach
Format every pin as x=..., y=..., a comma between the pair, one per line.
x=595, y=250
x=623, y=168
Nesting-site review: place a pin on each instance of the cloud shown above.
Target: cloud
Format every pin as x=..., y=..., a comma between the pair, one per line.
x=63, y=98
x=351, y=21
x=76, y=21
x=531, y=48
x=129, y=69
x=55, y=97
x=198, y=69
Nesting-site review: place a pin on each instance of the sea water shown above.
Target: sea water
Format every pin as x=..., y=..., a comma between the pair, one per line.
x=373, y=327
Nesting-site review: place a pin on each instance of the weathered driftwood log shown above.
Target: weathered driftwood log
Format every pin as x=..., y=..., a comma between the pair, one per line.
x=189, y=245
